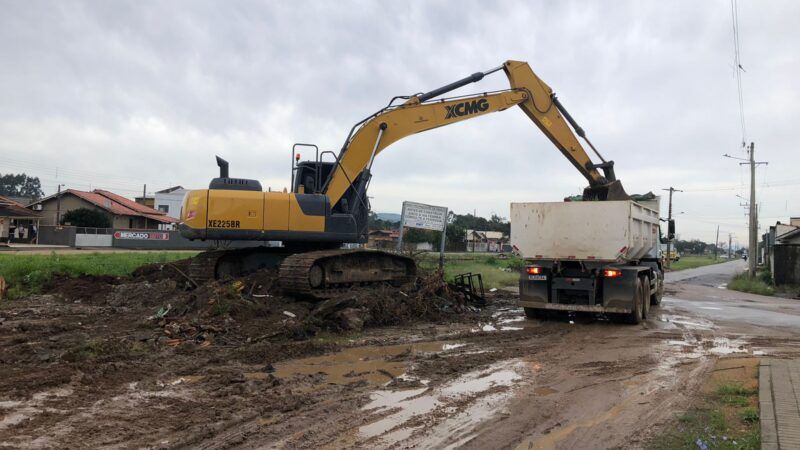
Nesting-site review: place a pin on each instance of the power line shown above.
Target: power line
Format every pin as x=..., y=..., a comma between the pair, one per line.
x=737, y=67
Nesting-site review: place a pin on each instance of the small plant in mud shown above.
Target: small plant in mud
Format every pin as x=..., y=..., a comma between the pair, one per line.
x=750, y=414
x=221, y=307
x=87, y=350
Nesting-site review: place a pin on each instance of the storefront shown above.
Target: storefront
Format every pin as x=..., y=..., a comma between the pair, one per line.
x=17, y=223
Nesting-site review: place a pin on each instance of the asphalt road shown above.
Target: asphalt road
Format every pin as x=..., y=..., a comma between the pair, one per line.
x=714, y=274
x=702, y=293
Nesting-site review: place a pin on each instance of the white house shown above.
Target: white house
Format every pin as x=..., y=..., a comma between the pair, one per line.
x=170, y=200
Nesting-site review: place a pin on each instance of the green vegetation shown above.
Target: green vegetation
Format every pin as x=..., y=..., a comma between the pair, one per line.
x=496, y=272
x=760, y=284
x=457, y=224
x=724, y=419
x=692, y=261
x=85, y=217
x=25, y=274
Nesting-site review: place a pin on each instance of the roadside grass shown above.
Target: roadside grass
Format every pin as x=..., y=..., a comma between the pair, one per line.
x=496, y=272
x=26, y=274
x=693, y=261
x=762, y=284
x=724, y=415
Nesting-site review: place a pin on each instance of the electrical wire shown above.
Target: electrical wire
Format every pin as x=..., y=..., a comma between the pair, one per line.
x=737, y=67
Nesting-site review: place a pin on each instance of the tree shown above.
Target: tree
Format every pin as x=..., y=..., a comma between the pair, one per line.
x=85, y=217
x=376, y=223
x=20, y=185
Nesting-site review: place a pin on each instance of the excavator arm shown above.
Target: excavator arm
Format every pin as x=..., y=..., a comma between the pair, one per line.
x=420, y=113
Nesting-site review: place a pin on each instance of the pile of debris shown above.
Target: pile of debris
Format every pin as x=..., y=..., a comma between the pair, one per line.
x=252, y=307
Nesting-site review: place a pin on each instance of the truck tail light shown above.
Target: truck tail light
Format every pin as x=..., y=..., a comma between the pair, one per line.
x=533, y=270
x=612, y=273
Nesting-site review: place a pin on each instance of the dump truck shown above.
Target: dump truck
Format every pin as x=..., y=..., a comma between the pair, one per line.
x=589, y=256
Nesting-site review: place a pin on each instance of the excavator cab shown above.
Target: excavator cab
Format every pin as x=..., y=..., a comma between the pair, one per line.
x=310, y=175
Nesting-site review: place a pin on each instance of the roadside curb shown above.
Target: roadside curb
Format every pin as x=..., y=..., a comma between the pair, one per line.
x=779, y=403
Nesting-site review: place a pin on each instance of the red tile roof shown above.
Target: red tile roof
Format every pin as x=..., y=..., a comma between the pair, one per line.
x=119, y=205
x=128, y=203
x=10, y=208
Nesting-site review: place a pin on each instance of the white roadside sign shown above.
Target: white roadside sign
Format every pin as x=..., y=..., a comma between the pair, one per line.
x=427, y=217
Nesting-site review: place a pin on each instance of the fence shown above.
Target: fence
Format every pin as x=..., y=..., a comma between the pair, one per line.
x=56, y=235
x=84, y=237
x=93, y=237
x=786, y=264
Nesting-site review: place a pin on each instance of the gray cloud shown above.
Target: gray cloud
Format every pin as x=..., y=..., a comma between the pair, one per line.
x=117, y=94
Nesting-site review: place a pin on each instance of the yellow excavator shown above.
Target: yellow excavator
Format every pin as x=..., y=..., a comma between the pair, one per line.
x=328, y=204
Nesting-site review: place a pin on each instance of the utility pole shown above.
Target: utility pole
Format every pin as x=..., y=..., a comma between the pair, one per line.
x=716, y=244
x=753, y=241
x=58, y=206
x=753, y=224
x=729, y=247
x=669, y=223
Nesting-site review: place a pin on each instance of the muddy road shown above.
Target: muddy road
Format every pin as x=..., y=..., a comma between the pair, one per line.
x=101, y=366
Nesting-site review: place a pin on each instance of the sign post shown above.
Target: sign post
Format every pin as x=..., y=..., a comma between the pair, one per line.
x=426, y=217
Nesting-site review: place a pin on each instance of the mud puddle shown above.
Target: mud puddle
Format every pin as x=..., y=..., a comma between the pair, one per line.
x=374, y=364
x=442, y=416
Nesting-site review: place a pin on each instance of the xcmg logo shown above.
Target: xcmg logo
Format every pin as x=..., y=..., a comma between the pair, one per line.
x=465, y=108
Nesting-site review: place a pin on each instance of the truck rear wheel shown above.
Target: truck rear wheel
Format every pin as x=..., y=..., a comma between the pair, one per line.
x=655, y=298
x=635, y=317
x=645, y=282
x=535, y=313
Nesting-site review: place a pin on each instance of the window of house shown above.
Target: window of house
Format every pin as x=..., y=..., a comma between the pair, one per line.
x=163, y=208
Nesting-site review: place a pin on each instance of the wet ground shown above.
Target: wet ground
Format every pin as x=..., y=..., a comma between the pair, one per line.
x=485, y=379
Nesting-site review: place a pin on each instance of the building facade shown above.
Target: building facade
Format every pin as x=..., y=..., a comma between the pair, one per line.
x=169, y=201
x=122, y=212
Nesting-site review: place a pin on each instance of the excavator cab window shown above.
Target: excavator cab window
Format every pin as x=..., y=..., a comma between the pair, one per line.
x=310, y=175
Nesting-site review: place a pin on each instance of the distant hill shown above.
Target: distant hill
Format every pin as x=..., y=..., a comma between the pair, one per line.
x=391, y=217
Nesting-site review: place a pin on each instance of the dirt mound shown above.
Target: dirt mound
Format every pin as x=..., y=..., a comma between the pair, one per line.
x=252, y=308
x=174, y=270
x=86, y=288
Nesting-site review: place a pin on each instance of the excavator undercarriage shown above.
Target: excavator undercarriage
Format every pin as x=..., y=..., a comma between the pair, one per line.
x=319, y=274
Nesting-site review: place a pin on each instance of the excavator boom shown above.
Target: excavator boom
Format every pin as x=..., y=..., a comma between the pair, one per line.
x=421, y=113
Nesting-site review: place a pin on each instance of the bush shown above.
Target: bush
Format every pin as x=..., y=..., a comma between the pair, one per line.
x=85, y=217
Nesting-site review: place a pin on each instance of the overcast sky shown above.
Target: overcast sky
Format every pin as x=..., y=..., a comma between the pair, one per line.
x=117, y=94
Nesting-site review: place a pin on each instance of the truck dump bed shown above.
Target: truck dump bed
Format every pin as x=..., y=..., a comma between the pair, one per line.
x=603, y=230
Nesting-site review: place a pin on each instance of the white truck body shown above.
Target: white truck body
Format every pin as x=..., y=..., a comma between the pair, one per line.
x=602, y=231
x=589, y=257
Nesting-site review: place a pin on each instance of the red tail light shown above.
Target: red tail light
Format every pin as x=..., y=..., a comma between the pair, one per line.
x=533, y=270
x=612, y=273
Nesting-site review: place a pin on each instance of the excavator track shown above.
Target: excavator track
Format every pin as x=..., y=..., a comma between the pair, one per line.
x=319, y=274
x=219, y=264
x=331, y=273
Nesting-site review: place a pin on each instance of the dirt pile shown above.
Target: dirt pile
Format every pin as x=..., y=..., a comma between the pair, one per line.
x=253, y=307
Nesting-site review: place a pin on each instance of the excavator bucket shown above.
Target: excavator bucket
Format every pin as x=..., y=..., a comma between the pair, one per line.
x=609, y=191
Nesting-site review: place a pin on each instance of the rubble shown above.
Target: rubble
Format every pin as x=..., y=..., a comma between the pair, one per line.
x=252, y=307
